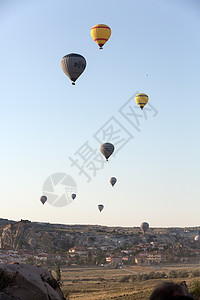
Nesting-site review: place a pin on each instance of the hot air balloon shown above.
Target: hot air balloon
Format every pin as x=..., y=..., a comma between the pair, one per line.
x=141, y=100
x=107, y=149
x=43, y=199
x=100, y=34
x=73, y=196
x=144, y=226
x=197, y=237
x=73, y=66
x=113, y=180
x=100, y=207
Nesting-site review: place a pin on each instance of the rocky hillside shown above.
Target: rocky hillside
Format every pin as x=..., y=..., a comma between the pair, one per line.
x=26, y=235
x=55, y=237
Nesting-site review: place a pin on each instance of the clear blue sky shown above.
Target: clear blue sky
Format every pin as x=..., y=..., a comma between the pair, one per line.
x=44, y=119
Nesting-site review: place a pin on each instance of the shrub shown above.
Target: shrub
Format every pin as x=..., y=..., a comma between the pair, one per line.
x=125, y=278
x=160, y=275
x=101, y=279
x=195, y=289
x=183, y=273
x=145, y=276
x=133, y=277
x=152, y=275
x=195, y=273
x=173, y=274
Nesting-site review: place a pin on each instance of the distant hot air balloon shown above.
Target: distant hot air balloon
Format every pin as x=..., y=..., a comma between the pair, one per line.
x=100, y=34
x=73, y=196
x=113, y=180
x=144, y=226
x=107, y=149
x=100, y=207
x=197, y=238
x=73, y=66
x=43, y=199
x=141, y=100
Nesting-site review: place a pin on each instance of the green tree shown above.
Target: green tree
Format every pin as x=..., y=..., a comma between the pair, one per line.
x=100, y=258
x=58, y=274
x=77, y=259
x=89, y=258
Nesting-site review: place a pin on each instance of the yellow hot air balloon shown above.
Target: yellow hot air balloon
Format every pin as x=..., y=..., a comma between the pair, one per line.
x=141, y=100
x=100, y=34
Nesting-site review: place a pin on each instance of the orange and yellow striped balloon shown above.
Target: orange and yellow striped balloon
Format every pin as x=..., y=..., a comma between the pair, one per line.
x=100, y=34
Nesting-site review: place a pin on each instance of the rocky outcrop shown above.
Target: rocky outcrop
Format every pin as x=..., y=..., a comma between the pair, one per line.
x=13, y=233
x=52, y=238
x=25, y=282
x=25, y=235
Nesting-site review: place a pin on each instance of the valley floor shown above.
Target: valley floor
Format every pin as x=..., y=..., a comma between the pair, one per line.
x=95, y=283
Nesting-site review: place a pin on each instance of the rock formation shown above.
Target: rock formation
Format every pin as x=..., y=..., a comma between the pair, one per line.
x=26, y=282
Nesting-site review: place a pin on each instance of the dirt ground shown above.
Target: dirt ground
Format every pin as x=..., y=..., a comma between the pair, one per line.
x=95, y=283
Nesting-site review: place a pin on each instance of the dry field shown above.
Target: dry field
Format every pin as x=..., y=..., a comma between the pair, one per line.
x=95, y=283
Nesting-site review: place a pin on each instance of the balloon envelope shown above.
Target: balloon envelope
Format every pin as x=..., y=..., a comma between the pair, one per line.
x=100, y=34
x=73, y=66
x=144, y=226
x=43, y=199
x=73, y=196
x=100, y=207
x=141, y=100
x=113, y=180
x=107, y=149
